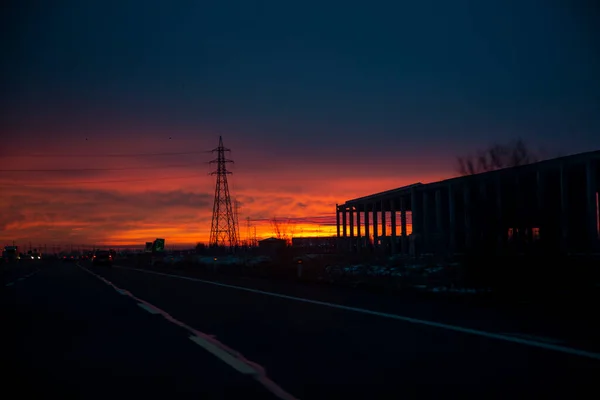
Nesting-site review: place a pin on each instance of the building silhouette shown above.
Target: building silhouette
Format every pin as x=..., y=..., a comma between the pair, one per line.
x=549, y=206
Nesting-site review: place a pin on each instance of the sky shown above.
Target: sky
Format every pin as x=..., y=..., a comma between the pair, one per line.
x=320, y=102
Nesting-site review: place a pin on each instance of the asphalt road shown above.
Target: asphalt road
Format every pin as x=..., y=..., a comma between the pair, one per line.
x=74, y=331
x=67, y=334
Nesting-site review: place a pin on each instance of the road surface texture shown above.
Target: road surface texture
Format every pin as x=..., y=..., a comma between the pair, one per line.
x=13, y=272
x=67, y=334
x=314, y=348
x=85, y=331
x=568, y=321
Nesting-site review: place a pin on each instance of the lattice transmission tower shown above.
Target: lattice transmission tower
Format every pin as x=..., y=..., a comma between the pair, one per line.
x=223, y=230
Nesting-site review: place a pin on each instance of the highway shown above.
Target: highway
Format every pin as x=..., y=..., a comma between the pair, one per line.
x=68, y=334
x=87, y=332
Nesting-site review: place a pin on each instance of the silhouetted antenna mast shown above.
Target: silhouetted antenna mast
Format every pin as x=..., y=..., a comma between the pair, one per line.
x=248, y=238
x=237, y=221
x=223, y=230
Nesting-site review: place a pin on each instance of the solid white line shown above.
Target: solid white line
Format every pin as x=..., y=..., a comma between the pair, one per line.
x=224, y=356
x=490, y=335
x=149, y=309
x=534, y=337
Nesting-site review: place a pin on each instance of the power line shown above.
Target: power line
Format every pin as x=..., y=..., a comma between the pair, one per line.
x=86, y=155
x=42, y=183
x=98, y=169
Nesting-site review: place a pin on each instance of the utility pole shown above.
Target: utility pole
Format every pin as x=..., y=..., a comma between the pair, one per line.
x=223, y=230
x=248, y=237
x=237, y=221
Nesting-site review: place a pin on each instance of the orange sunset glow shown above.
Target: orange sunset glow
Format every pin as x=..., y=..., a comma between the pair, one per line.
x=60, y=197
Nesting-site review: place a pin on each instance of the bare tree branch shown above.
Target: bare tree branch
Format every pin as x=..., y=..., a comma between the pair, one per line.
x=276, y=227
x=462, y=167
x=495, y=157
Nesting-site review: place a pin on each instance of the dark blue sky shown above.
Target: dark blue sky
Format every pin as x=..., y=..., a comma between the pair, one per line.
x=392, y=78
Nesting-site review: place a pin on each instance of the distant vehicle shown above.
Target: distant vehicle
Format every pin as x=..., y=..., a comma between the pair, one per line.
x=173, y=259
x=102, y=257
x=71, y=257
x=11, y=253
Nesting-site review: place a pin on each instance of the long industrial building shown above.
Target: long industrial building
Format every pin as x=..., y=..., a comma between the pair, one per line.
x=550, y=205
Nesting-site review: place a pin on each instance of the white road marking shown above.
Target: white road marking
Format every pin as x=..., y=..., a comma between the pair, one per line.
x=209, y=343
x=224, y=356
x=22, y=278
x=149, y=309
x=490, y=335
x=534, y=337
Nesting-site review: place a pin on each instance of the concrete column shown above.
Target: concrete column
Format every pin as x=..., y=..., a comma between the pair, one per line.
x=414, y=211
x=564, y=217
x=592, y=215
x=519, y=217
x=358, y=233
x=482, y=210
x=416, y=227
x=367, y=234
x=337, y=219
x=468, y=227
x=351, y=211
x=384, y=237
x=337, y=223
x=438, y=211
x=425, y=233
x=375, y=229
x=439, y=222
x=539, y=193
x=350, y=244
x=451, y=219
x=345, y=226
x=403, y=224
x=393, y=220
x=501, y=227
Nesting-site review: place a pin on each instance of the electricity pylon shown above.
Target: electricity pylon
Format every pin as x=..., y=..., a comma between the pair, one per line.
x=223, y=230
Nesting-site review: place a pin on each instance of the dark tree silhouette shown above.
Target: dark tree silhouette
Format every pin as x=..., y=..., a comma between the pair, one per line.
x=497, y=156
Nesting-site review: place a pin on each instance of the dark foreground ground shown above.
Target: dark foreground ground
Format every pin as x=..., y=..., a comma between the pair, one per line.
x=70, y=333
x=66, y=334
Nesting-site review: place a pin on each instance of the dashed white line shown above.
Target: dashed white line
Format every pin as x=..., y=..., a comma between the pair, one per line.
x=209, y=343
x=21, y=278
x=490, y=335
x=149, y=309
x=224, y=356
